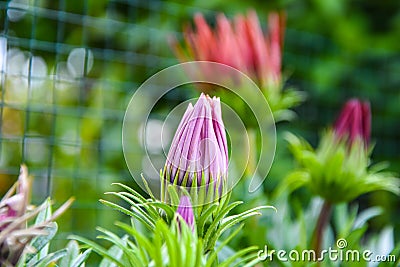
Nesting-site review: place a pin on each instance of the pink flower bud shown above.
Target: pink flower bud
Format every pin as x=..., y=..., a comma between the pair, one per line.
x=199, y=148
x=240, y=43
x=354, y=122
x=185, y=211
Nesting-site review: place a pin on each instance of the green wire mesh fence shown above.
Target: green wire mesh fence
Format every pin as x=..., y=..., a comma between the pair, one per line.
x=69, y=68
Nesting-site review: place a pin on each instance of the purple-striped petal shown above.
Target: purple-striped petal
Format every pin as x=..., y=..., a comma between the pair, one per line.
x=185, y=211
x=199, y=147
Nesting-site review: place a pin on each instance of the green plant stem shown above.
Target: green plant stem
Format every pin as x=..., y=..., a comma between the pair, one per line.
x=322, y=222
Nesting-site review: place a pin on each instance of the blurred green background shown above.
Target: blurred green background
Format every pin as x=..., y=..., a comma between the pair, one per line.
x=69, y=69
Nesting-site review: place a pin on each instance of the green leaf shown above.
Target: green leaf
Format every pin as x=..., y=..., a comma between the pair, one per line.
x=127, y=197
x=44, y=214
x=139, y=216
x=138, y=207
x=172, y=244
x=230, y=221
x=132, y=191
x=164, y=207
x=48, y=259
x=148, y=190
x=214, y=255
x=366, y=215
x=353, y=239
x=40, y=243
x=237, y=256
x=204, y=217
x=99, y=250
x=114, y=252
x=72, y=253
x=130, y=254
x=173, y=194
x=291, y=182
x=213, y=228
x=80, y=260
x=74, y=258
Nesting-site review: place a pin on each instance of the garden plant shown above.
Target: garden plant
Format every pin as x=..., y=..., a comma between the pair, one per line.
x=214, y=200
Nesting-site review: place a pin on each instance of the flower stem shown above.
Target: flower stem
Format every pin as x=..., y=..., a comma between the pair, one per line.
x=322, y=222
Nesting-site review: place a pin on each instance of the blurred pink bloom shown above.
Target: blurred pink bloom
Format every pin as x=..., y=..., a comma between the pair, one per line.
x=185, y=210
x=12, y=207
x=199, y=147
x=354, y=121
x=240, y=44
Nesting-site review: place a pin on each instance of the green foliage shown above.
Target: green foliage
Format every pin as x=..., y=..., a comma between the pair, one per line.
x=23, y=243
x=333, y=55
x=334, y=171
x=281, y=100
x=167, y=243
x=292, y=229
x=73, y=257
x=38, y=249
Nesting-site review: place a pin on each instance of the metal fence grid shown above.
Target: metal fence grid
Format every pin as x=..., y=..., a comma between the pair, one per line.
x=65, y=122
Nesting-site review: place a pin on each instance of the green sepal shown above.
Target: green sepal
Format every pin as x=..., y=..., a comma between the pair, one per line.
x=335, y=170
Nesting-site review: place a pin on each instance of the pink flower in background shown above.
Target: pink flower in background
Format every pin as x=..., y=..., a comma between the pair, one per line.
x=199, y=148
x=354, y=121
x=12, y=207
x=240, y=43
x=185, y=211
